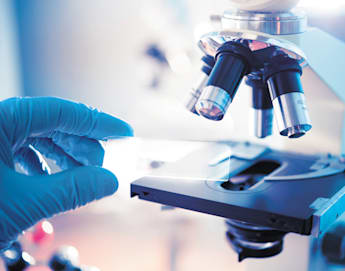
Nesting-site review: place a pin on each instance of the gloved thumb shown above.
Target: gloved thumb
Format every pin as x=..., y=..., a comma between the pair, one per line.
x=76, y=187
x=28, y=199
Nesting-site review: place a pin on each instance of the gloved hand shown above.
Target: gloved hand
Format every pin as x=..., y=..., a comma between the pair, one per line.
x=61, y=130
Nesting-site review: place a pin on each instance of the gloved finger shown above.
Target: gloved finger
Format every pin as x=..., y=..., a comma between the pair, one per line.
x=87, y=151
x=66, y=190
x=28, y=199
x=43, y=115
x=47, y=147
x=31, y=161
x=76, y=187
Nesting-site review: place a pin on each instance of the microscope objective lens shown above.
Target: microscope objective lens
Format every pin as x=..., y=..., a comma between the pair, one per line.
x=262, y=105
x=194, y=94
x=224, y=80
x=283, y=78
x=213, y=103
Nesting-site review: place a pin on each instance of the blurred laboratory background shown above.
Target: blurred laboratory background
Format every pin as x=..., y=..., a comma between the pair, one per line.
x=136, y=60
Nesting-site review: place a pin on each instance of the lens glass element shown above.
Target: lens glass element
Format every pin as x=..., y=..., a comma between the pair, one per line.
x=213, y=103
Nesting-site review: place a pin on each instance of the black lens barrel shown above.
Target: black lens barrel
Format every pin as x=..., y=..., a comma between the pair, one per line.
x=283, y=75
x=230, y=67
x=261, y=97
x=208, y=64
x=263, y=108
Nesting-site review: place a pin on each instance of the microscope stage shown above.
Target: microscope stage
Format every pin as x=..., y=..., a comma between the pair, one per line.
x=250, y=183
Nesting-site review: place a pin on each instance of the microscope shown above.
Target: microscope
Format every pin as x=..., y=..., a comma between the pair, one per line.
x=294, y=74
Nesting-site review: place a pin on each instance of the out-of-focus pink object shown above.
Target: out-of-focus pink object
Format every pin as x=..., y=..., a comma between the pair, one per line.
x=41, y=234
x=257, y=45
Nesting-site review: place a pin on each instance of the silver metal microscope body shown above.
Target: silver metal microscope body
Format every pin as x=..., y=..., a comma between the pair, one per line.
x=288, y=33
x=322, y=58
x=263, y=192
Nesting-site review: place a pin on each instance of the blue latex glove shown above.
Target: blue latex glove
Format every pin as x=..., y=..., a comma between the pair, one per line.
x=61, y=130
